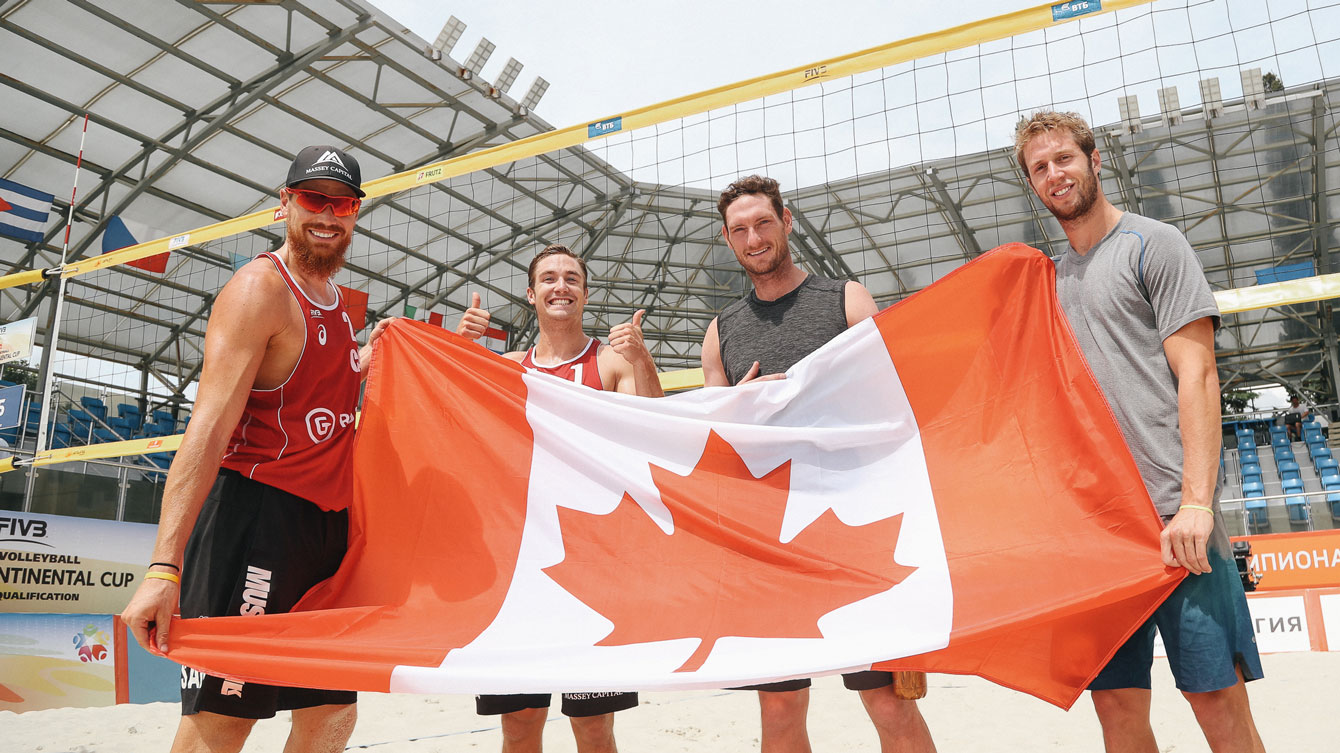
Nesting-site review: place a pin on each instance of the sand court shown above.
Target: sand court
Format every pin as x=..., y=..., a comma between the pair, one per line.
x=1294, y=708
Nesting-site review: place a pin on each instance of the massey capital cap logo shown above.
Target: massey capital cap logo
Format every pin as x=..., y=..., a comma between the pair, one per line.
x=329, y=161
x=332, y=158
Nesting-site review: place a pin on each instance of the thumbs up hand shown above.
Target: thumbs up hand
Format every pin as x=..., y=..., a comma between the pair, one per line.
x=626, y=339
x=474, y=321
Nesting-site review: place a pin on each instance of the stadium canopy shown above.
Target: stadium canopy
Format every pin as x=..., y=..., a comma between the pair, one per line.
x=196, y=109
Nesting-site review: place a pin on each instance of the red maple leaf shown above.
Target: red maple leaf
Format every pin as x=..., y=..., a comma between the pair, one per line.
x=724, y=571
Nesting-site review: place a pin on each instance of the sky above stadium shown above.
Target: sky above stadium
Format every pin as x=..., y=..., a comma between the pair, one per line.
x=604, y=57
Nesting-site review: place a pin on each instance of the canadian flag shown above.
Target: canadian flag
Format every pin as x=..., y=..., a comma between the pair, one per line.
x=940, y=488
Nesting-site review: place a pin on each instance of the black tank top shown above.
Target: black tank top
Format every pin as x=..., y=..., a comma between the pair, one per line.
x=779, y=333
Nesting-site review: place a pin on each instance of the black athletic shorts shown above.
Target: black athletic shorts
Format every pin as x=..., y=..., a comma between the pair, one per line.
x=255, y=550
x=866, y=680
x=574, y=704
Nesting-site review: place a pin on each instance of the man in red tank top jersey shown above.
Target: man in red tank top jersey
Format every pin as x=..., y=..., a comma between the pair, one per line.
x=254, y=508
x=558, y=289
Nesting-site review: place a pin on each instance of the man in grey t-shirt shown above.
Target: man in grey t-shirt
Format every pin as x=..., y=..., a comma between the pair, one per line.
x=1141, y=309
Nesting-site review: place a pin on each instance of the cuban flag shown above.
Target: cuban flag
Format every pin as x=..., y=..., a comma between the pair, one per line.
x=23, y=211
x=940, y=488
x=122, y=233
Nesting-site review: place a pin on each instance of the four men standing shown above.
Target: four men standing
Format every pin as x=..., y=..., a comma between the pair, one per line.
x=279, y=388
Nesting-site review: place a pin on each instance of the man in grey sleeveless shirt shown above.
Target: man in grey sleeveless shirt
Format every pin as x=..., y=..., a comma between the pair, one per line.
x=1141, y=309
x=788, y=315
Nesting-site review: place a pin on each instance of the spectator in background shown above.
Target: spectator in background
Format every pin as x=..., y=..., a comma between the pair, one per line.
x=1295, y=416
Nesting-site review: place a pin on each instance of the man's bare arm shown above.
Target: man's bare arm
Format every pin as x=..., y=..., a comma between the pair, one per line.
x=365, y=352
x=860, y=305
x=633, y=367
x=1190, y=353
x=250, y=311
x=714, y=372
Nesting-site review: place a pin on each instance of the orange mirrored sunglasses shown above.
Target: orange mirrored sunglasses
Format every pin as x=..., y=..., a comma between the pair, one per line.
x=316, y=202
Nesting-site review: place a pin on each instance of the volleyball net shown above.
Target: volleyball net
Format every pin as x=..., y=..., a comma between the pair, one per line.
x=896, y=162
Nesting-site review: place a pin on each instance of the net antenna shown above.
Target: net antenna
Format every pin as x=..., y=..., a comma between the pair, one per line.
x=533, y=95
x=475, y=63
x=447, y=38
x=507, y=78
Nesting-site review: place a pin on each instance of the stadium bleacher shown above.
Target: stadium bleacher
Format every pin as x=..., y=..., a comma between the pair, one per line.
x=1296, y=471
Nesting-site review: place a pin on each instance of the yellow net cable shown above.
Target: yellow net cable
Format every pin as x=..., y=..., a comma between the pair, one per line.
x=912, y=48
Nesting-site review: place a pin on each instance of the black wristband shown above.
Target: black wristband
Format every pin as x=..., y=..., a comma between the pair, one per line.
x=165, y=564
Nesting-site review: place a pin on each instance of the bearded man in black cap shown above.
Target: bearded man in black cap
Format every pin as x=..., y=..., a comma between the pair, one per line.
x=255, y=505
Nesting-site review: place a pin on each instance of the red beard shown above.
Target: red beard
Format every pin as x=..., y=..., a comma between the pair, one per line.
x=309, y=260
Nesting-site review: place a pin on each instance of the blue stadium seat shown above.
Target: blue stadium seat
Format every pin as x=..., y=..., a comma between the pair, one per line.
x=1291, y=484
x=1327, y=466
x=1318, y=452
x=1279, y=441
x=1251, y=472
x=61, y=436
x=80, y=423
x=1289, y=470
x=1284, y=452
x=94, y=406
x=1278, y=432
x=158, y=462
x=120, y=426
x=34, y=417
x=1246, y=442
x=103, y=435
x=1248, y=456
x=1257, y=519
x=131, y=413
x=1300, y=515
x=1331, y=483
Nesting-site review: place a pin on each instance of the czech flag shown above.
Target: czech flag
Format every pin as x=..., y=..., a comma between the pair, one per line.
x=122, y=233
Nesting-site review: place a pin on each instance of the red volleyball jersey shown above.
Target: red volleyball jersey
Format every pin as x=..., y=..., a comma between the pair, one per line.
x=581, y=369
x=299, y=436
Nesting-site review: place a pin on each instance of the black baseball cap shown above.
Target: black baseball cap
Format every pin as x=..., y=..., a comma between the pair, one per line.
x=321, y=161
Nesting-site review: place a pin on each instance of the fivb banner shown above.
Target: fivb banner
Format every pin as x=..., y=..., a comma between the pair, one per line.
x=55, y=563
x=16, y=339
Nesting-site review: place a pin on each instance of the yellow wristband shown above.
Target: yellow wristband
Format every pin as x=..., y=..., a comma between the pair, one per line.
x=1210, y=510
x=164, y=576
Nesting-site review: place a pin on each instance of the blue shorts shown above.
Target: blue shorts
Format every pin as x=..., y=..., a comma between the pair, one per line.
x=1207, y=632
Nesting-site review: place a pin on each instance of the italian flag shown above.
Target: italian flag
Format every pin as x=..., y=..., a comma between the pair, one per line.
x=940, y=488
